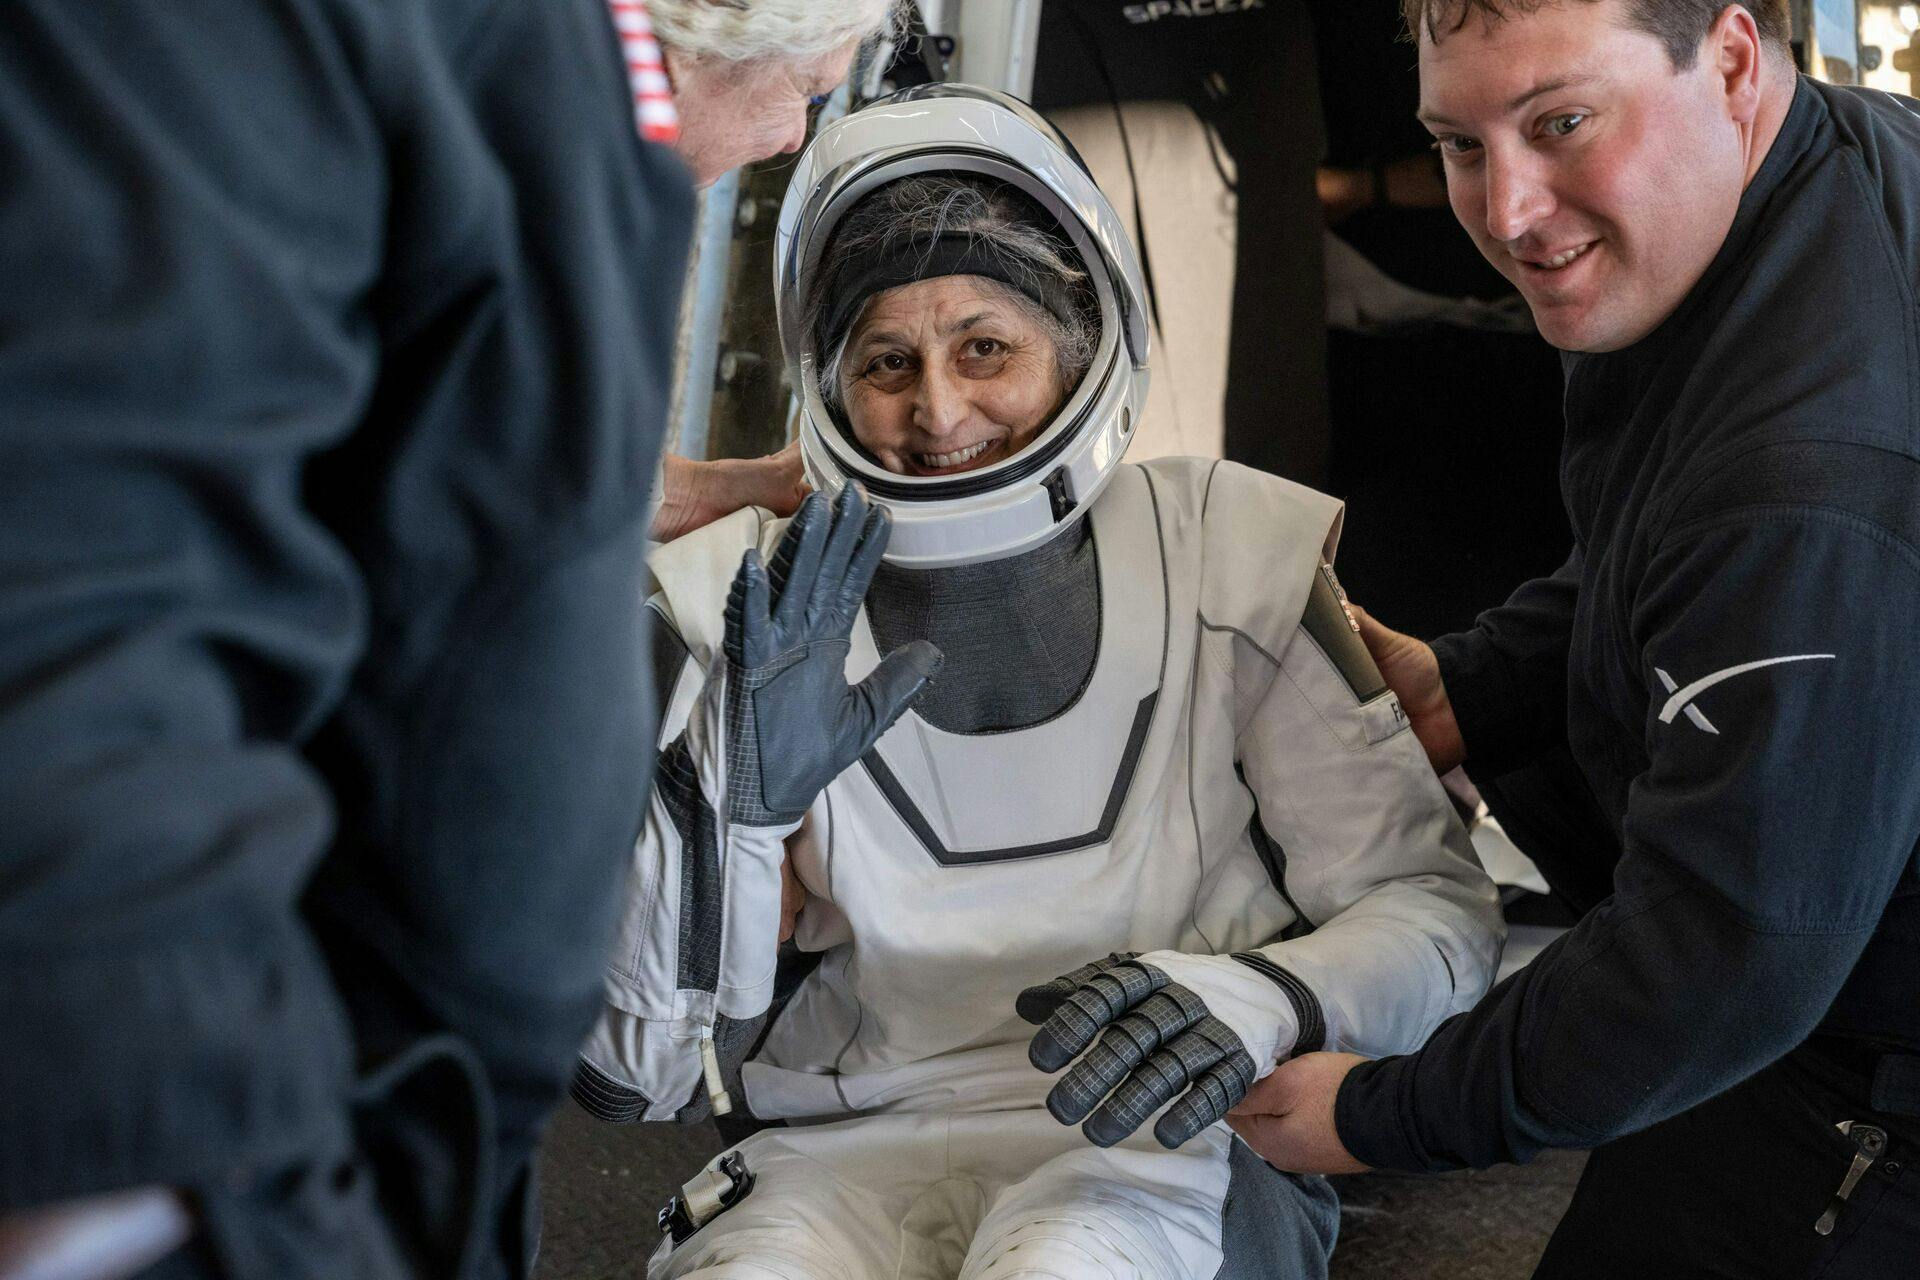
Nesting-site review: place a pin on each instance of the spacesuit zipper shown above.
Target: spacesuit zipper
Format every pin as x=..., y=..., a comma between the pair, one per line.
x=710, y=1071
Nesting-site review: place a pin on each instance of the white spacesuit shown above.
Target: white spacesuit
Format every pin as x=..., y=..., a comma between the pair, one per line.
x=1229, y=794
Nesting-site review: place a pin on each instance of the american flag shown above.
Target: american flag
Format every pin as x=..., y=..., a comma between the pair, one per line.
x=653, y=109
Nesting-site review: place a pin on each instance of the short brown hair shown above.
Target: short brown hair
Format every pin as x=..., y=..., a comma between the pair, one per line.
x=1680, y=25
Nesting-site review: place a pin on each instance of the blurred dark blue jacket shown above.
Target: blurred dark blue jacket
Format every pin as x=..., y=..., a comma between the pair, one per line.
x=335, y=344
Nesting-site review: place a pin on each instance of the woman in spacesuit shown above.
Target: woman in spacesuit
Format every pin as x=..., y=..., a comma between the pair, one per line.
x=1156, y=759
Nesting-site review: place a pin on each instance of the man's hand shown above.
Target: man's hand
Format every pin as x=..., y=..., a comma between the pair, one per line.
x=693, y=494
x=777, y=482
x=1413, y=673
x=1288, y=1118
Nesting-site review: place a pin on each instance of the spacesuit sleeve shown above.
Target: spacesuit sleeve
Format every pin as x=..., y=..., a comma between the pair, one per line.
x=1507, y=676
x=698, y=940
x=1404, y=926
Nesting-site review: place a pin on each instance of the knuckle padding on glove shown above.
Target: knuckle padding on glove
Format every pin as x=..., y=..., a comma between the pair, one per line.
x=1168, y=1041
x=1120, y=1115
x=1148, y=1090
x=1213, y=1094
x=836, y=557
x=1036, y=1004
x=782, y=563
x=1127, y=1045
x=1185, y=1053
x=800, y=572
x=780, y=568
x=741, y=624
x=1096, y=1002
x=1181, y=1062
x=865, y=561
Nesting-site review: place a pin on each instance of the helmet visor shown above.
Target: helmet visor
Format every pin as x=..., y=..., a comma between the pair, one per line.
x=951, y=318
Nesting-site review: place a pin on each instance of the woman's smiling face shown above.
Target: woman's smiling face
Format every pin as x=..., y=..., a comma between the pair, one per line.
x=948, y=375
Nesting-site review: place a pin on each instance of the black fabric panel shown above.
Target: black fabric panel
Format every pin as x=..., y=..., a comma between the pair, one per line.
x=670, y=657
x=701, y=882
x=1274, y=858
x=1021, y=635
x=605, y=1098
x=1547, y=809
x=794, y=967
x=1877, y=485
x=1306, y=1006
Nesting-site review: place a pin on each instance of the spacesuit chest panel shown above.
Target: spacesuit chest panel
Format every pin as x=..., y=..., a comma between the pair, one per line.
x=1057, y=786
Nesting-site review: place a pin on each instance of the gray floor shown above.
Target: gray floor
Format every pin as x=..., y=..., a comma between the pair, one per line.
x=604, y=1183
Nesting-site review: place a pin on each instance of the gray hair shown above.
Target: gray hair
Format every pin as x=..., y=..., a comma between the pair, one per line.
x=745, y=30
x=920, y=210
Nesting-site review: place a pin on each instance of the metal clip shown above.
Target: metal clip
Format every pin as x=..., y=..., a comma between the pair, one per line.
x=715, y=1189
x=1872, y=1143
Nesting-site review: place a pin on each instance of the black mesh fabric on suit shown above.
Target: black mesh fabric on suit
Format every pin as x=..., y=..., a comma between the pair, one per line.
x=1020, y=635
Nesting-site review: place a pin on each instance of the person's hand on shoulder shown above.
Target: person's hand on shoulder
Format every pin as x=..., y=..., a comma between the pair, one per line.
x=778, y=481
x=1412, y=671
x=695, y=494
x=1287, y=1118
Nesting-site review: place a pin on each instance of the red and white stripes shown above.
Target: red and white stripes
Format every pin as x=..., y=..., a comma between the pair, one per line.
x=653, y=110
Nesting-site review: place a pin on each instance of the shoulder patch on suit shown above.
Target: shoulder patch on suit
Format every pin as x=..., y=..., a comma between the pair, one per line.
x=1332, y=627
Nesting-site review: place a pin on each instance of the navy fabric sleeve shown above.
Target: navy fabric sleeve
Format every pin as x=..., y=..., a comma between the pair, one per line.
x=334, y=349
x=492, y=761
x=1779, y=810
x=182, y=260
x=1507, y=676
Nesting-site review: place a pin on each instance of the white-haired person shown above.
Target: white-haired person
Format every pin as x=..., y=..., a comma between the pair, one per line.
x=1150, y=795
x=335, y=339
x=743, y=75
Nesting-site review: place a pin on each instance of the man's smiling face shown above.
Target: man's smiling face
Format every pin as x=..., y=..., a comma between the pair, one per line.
x=1590, y=172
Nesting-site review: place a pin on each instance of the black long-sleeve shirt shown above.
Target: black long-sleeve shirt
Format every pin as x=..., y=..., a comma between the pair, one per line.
x=1744, y=486
x=335, y=340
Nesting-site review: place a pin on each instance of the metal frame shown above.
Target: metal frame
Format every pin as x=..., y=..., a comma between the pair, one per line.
x=701, y=315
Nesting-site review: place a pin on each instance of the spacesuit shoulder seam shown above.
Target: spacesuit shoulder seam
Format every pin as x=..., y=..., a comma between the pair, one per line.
x=1262, y=539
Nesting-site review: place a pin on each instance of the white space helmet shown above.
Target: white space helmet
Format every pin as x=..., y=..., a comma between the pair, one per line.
x=1020, y=501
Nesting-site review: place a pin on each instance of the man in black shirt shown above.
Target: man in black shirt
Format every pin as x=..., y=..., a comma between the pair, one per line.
x=1716, y=688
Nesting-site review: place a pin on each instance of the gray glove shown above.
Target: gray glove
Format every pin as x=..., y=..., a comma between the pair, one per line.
x=793, y=723
x=1166, y=1044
